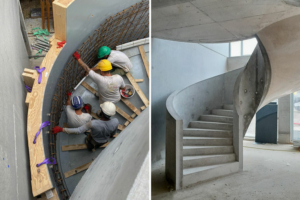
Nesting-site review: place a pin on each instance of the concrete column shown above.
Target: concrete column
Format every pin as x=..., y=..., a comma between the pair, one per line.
x=284, y=120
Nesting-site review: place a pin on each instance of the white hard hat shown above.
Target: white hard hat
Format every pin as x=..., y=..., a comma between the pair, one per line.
x=108, y=108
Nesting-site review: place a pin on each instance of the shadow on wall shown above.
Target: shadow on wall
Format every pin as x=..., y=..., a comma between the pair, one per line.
x=176, y=65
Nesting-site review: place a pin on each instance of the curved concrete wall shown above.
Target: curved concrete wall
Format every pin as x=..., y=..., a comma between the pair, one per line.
x=112, y=174
x=200, y=98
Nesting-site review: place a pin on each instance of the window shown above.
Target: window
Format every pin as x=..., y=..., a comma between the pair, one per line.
x=242, y=48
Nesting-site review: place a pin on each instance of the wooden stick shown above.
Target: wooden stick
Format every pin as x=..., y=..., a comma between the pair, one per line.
x=139, y=80
x=144, y=58
x=123, y=114
x=88, y=87
x=43, y=13
x=131, y=106
x=78, y=169
x=138, y=89
x=78, y=147
x=143, y=107
x=48, y=14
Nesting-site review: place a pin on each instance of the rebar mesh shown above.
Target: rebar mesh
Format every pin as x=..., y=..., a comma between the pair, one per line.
x=129, y=25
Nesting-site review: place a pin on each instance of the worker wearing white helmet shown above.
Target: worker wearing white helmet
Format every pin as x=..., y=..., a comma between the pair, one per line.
x=101, y=129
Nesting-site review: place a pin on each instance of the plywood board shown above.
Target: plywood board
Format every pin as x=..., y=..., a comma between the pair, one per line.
x=144, y=58
x=40, y=178
x=60, y=21
x=138, y=89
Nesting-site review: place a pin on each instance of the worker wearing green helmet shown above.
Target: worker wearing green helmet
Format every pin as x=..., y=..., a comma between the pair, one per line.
x=120, y=62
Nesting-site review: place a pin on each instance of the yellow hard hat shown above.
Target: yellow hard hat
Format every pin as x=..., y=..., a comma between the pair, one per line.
x=104, y=65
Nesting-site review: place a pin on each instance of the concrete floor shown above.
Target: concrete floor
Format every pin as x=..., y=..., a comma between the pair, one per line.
x=270, y=172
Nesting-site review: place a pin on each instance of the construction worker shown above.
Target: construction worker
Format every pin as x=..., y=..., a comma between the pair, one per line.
x=101, y=129
x=121, y=63
x=76, y=117
x=108, y=85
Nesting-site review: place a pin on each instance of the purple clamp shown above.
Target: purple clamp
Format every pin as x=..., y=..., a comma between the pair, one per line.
x=37, y=68
x=50, y=161
x=44, y=124
x=29, y=89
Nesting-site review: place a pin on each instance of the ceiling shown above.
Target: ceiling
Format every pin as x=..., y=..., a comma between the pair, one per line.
x=210, y=21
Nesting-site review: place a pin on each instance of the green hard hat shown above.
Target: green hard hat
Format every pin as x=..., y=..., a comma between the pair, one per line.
x=103, y=51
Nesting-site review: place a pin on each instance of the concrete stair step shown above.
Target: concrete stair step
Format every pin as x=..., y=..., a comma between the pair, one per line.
x=206, y=160
x=207, y=133
x=206, y=150
x=216, y=118
x=210, y=125
x=228, y=107
x=222, y=112
x=198, y=174
x=206, y=141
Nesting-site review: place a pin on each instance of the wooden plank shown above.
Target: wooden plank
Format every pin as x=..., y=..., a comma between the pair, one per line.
x=48, y=14
x=123, y=114
x=126, y=123
x=138, y=89
x=133, y=115
x=78, y=169
x=139, y=80
x=143, y=107
x=144, y=58
x=131, y=106
x=40, y=177
x=88, y=87
x=121, y=127
x=43, y=13
x=60, y=19
x=27, y=100
x=94, y=115
x=78, y=147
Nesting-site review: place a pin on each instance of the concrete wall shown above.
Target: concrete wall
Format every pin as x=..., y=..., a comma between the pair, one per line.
x=176, y=65
x=14, y=166
x=237, y=62
x=284, y=120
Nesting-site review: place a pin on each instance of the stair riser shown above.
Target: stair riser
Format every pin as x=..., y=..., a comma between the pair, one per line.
x=208, y=142
x=223, y=113
x=207, y=151
x=216, y=119
x=210, y=126
x=208, y=161
x=228, y=107
x=210, y=174
x=201, y=133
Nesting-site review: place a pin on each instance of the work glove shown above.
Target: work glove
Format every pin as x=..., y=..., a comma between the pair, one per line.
x=69, y=93
x=87, y=108
x=76, y=55
x=56, y=130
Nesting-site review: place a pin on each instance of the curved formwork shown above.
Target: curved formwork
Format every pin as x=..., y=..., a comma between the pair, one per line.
x=47, y=100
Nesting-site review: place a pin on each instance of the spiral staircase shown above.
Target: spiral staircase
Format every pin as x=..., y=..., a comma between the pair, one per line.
x=205, y=139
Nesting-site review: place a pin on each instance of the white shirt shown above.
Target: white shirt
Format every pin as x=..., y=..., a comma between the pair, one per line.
x=119, y=59
x=108, y=86
x=74, y=120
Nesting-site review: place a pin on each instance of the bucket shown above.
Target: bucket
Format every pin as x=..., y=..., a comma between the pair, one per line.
x=128, y=89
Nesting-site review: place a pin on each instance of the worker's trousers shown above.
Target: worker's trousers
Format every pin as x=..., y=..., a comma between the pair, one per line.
x=91, y=143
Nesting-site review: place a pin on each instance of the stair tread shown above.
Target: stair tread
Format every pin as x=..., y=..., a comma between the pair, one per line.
x=188, y=171
x=204, y=129
x=221, y=116
x=203, y=147
x=213, y=122
x=205, y=156
x=195, y=137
